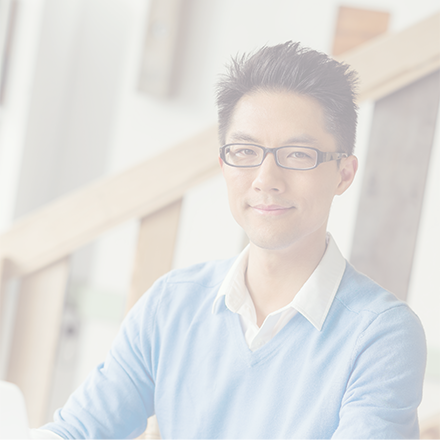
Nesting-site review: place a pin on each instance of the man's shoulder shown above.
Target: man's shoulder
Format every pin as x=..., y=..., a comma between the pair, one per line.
x=180, y=293
x=360, y=294
x=207, y=274
x=365, y=309
x=186, y=287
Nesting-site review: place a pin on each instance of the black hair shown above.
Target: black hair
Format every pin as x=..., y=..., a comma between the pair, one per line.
x=290, y=67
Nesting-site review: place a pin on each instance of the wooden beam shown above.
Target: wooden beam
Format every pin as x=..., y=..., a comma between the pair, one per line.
x=65, y=225
x=35, y=337
x=154, y=258
x=160, y=47
x=392, y=191
x=155, y=249
x=390, y=62
x=356, y=26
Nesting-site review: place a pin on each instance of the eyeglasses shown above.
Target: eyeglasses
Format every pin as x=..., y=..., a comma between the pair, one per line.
x=292, y=158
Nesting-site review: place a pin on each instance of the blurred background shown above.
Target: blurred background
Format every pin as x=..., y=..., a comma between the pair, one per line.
x=91, y=88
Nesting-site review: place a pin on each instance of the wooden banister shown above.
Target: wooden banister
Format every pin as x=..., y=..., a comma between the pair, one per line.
x=35, y=337
x=385, y=64
x=157, y=235
x=392, y=61
x=157, y=232
x=57, y=230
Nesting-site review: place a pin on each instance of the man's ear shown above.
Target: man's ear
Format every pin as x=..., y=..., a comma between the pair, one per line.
x=220, y=161
x=347, y=170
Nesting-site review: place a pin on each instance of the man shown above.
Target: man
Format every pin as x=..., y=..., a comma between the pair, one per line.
x=287, y=340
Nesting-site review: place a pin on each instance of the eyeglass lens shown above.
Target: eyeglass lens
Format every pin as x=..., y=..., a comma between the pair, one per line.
x=289, y=157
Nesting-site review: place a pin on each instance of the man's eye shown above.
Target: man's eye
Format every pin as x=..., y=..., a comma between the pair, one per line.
x=299, y=155
x=245, y=152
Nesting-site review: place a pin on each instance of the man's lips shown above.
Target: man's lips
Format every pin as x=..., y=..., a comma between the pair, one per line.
x=271, y=209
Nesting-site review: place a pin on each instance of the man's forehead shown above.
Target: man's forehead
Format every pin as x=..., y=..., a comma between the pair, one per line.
x=242, y=136
x=277, y=118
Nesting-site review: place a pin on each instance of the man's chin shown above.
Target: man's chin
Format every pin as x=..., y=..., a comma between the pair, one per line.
x=270, y=243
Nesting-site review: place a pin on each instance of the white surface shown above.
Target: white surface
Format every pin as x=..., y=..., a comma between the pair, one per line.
x=43, y=434
x=13, y=416
x=14, y=113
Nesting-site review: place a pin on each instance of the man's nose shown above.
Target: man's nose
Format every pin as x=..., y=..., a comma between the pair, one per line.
x=269, y=177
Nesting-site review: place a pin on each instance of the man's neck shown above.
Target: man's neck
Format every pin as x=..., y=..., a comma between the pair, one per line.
x=274, y=277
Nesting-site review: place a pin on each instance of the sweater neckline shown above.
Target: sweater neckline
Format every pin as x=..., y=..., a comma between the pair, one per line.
x=251, y=358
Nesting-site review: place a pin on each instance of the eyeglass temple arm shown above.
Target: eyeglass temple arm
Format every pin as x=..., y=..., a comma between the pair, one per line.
x=326, y=157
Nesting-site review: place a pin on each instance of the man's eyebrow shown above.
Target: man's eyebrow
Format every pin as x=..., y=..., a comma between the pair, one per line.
x=301, y=139
x=239, y=136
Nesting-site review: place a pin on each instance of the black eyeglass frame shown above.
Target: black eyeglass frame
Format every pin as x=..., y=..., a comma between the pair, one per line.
x=321, y=156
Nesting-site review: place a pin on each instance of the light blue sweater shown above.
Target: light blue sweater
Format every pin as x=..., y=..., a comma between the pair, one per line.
x=359, y=377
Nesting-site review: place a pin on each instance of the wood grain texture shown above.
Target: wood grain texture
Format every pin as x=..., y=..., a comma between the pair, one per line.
x=393, y=187
x=35, y=337
x=154, y=257
x=155, y=249
x=393, y=61
x=356, y=26
x=60, y=228
x=160, y=45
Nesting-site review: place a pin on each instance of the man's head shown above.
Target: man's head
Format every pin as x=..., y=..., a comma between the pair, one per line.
x=290, y=68
x=287, y=116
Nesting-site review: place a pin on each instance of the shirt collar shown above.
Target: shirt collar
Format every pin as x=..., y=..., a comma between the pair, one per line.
x=233, y=287
x=314, y=298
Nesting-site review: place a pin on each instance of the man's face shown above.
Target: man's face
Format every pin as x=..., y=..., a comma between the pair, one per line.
x=279, y=207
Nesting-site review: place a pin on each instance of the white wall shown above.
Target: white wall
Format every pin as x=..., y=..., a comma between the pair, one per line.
x=99, y=123
x=14, y=112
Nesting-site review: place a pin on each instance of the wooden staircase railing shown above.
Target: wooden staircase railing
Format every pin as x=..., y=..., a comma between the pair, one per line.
x=36, y=249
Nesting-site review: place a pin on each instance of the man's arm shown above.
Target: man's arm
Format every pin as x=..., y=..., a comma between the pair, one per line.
x=385, y=386
x=117, y=397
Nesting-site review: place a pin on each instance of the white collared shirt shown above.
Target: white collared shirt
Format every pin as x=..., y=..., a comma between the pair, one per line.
x=313, y=300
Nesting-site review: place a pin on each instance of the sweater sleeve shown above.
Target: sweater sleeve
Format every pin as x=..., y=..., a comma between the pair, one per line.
x=385, y=385
x=117, y=397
